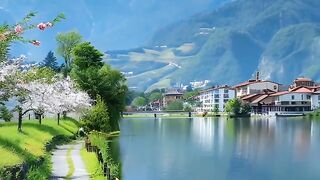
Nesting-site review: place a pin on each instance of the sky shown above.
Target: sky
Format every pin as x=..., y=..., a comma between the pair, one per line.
x=107, y=24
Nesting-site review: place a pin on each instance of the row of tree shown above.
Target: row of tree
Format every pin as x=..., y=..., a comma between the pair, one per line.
x=82, y=81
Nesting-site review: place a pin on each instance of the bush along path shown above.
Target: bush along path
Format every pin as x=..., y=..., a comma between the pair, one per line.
x=67, y=162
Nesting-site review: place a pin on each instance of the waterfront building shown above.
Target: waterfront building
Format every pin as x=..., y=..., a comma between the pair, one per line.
x=215, y=97
x=171, y=96
x=302, y=81
x=297, y=100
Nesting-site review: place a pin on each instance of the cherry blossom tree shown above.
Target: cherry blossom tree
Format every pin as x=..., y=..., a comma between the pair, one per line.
x=39, y=93
x=11, y=33
x=9, y=71
x=60, y=96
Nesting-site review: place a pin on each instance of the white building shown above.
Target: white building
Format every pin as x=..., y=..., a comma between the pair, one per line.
x=315, y=100
x=255, y=87
x=215, y=97
x=297, y=100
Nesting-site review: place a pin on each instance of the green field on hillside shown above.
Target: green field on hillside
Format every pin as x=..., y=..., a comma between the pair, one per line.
x=17, y=147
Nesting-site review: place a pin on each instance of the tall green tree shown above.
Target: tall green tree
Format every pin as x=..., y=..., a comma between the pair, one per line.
x=98, y=78
x=66, y=42
x=237, y=107
x=97, y=118
x=155, y=96
x=50, y=61
x=175, y=106
x=139, y=101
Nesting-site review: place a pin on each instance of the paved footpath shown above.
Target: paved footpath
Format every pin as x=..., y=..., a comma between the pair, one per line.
x=60, y=166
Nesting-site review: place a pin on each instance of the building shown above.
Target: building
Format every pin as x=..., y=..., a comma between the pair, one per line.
x=156, y=105
x=302, y=81
x=256, y=86
x=171, y=96
x=297, y=100
x=215, y=97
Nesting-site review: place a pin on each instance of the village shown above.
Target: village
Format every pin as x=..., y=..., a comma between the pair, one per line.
x=265, y=97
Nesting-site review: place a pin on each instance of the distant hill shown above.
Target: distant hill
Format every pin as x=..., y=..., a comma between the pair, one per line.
x=281, y=38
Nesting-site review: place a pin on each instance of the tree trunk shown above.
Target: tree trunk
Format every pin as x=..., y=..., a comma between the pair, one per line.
x=40, y=118
x=58, y=118
x=19, y=119
x=64, y=113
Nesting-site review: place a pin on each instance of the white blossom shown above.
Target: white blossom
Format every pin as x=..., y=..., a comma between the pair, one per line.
x=57, y=97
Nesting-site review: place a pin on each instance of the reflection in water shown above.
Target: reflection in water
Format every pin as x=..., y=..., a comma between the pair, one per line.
x=207, y=148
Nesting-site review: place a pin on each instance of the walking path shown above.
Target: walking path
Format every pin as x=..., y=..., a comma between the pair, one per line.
x=60, y=166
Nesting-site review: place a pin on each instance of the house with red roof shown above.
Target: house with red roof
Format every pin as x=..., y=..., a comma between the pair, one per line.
x=299, y=100
x=171, y=96
x=255, y=86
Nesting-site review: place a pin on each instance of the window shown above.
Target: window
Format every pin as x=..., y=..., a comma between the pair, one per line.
x=216, y=96
x=226, y=96
x=275, y=87
x=225, y=100
x=301, y=96
x=293, y=103
x=319, y=97
x=308, y=97
x=226, y=91
x=292, y=97
x=216, y=100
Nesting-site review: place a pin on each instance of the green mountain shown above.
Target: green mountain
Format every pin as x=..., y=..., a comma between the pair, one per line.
x=278, y=37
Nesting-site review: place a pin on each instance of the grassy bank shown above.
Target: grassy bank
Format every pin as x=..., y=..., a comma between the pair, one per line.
x=108, y=150
x=92, y=164
x=28, y=145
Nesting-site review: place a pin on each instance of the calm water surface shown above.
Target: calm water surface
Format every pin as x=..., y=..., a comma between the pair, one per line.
x=217, y=148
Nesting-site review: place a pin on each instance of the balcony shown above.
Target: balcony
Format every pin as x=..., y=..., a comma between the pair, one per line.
x=292, y=103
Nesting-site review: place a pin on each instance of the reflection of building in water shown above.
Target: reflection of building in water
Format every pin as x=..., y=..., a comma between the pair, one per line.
x=254, y=138
x=302, y=138
x=209, y=133
x=315, y=132
x=296, y=135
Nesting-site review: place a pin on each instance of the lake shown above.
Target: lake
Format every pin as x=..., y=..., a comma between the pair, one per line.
x=220, y=148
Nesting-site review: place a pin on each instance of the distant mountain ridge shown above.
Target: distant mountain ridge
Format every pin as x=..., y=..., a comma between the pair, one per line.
x=280, y=38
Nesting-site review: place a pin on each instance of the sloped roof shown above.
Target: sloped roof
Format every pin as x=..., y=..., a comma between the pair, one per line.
x=173, y=92
x=249, y=96
x=302, y=90
x=303, y=79
x=280, y=93
x=262, y=97
x=252, y=82
x=216, y=88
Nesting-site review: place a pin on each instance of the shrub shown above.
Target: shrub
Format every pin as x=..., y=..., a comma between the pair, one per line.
x=103, y=143
x=97, y=118
x=237, y=107
x=175, y=106
x=5, y=114
x=139, y=101
x=187, y=108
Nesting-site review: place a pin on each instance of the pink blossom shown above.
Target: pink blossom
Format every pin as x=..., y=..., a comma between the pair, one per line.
x=35, y=42
x=41, y=26
x=49, y=24
x=18, y=29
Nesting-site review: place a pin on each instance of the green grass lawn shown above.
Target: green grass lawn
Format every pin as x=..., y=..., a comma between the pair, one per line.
x=92, y=165
x=17, y=147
